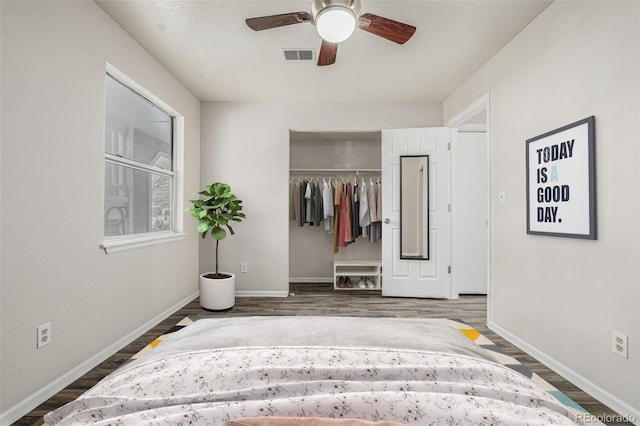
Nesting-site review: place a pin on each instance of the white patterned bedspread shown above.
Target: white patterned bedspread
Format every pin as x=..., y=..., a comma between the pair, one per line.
x=211, y=386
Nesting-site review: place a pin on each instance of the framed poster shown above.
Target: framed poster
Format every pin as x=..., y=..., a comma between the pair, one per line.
x=561, y=192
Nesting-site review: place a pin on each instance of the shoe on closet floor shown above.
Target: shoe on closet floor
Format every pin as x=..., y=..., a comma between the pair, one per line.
x=348, y=283
x=370, y=283
x=362, y=283
x=340, y=282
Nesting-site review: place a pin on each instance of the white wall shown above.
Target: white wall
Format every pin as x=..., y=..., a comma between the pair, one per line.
x=53, y=83
x=561, y=298
x=247, y=146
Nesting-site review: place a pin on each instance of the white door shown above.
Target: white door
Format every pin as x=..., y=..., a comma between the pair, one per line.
x=469, y=212
x=412, y=277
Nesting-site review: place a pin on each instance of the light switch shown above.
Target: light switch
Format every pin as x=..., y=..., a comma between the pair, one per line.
x=502, y=197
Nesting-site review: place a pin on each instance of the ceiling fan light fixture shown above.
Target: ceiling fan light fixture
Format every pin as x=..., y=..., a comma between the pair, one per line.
x=336, y=23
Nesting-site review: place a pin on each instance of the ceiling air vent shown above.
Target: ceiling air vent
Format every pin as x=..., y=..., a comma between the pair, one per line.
x=298, y=54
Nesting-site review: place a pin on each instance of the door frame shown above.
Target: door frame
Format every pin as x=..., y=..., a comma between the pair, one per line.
x=482, y=104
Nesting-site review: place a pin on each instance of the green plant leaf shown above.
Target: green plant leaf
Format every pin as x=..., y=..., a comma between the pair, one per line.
x=220, y=220
x=203, y=227
x=218, y=233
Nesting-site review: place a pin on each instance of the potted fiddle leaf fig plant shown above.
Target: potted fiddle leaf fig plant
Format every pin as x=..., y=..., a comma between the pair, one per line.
x=214, y=210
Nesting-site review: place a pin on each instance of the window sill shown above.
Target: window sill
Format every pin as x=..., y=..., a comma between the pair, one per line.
x=117, y=244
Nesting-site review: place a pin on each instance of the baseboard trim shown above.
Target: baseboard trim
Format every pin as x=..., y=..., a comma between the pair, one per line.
x=34, y=400
x=251, y=293
x=604, y=396
x=311, y=279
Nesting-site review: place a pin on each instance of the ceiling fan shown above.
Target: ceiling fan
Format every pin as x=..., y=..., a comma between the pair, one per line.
x=335, y=21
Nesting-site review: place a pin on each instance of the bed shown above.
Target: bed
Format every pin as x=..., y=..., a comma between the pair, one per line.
x=323, y=370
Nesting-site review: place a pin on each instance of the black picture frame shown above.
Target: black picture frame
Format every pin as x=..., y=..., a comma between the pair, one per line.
x=561, y=181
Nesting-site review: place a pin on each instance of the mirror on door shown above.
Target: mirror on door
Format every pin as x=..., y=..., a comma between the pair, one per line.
x=414, y=207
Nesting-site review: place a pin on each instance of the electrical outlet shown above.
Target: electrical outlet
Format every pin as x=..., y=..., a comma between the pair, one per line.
x=620, y=344
x=244, y=267
x=44, y=335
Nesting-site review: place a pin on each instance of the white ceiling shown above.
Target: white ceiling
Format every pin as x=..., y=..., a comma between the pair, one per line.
x=209, y=48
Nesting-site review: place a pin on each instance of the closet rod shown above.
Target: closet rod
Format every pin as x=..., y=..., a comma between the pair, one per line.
x=357, y=172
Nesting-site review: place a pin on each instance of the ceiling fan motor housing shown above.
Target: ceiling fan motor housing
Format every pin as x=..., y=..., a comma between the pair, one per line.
x=320, y=6
x=335, y=20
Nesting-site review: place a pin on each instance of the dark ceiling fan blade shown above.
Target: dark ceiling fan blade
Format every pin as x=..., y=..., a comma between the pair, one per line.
x=328, y=52
x=386, y=28
x=275, y=21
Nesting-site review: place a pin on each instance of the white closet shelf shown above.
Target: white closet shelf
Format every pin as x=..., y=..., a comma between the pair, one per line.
x=356, y=269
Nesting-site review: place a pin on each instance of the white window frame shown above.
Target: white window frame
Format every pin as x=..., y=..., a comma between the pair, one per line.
x=118, y=243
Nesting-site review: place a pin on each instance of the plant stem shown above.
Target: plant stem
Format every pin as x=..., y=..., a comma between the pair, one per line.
x=217, y=243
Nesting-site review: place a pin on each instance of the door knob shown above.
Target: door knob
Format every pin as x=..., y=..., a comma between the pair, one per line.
x=387, y=220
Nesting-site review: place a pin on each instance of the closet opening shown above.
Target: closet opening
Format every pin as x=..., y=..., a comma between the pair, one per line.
x=342, y=167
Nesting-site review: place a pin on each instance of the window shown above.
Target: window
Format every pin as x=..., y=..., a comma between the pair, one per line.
x=140, y=178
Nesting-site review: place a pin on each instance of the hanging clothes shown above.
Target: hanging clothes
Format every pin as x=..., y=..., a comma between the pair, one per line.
x=348, y=233
x=342, y=224
x=348, y=209
x=302, y=202
x=308, y=202
x=373, y=212
x=317, y=204
x=355, y=211
x=373, y=202
x=292, y=191
x=363, y=211
x=336, y=216
x=379, y=209
x=327, y=206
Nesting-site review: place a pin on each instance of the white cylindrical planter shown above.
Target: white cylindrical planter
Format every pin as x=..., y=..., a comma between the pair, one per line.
x=217, y=294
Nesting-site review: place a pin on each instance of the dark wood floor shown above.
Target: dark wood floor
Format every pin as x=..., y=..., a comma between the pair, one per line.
x=320, y=299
